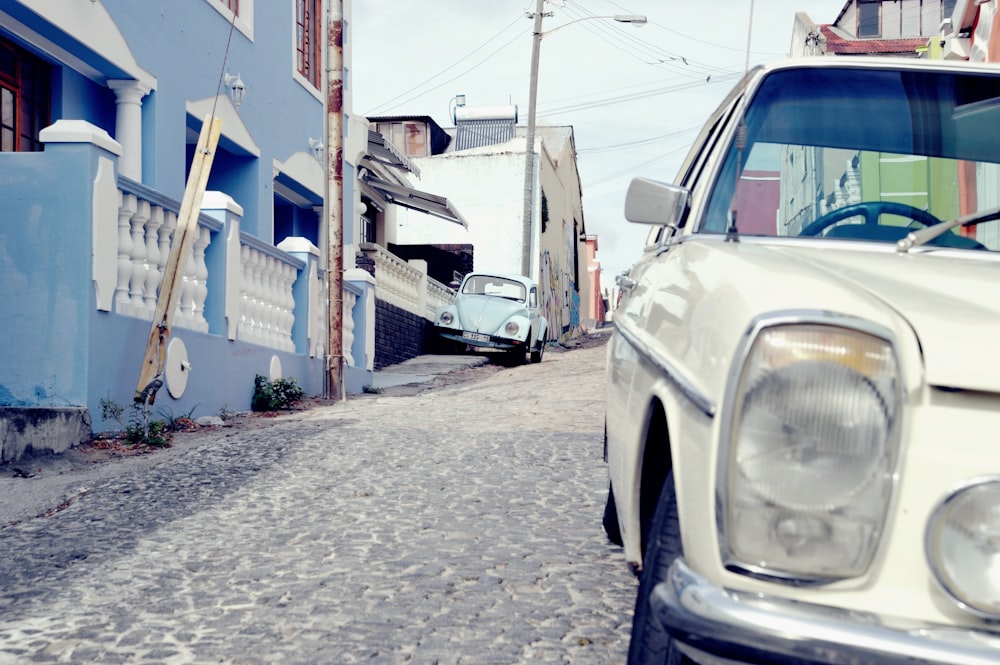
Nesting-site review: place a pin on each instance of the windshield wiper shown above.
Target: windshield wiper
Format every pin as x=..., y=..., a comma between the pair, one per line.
x=924, y=236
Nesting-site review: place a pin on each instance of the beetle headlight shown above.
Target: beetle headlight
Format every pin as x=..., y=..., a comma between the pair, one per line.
x=511, y=328
x=447, y=318
x=963, y=546
x=812, y=448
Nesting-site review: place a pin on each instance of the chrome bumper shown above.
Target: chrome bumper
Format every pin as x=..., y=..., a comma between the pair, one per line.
x=715, y=625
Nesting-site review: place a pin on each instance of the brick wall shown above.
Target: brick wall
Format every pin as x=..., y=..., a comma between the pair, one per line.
x=399, y=335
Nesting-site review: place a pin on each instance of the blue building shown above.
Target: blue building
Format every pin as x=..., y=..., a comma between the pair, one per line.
x=101, y=105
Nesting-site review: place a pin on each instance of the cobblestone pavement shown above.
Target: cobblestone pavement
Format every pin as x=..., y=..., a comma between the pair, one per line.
x=457, y=525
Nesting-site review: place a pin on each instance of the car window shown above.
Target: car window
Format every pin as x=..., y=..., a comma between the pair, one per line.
x=490, y=285
x=863, y=155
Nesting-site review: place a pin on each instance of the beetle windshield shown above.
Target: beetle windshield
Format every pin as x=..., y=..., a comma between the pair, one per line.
x=491, y=285
x=865, y=154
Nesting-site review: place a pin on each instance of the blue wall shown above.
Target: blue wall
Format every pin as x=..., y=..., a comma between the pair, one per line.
x=183, y=44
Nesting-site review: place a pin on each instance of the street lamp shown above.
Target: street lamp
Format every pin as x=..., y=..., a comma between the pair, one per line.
x=529, y=159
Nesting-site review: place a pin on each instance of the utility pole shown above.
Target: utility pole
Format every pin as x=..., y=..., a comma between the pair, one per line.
x=334, y=197
x=529, y=152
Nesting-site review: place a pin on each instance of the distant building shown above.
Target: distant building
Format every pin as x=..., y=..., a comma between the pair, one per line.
x=481, y=171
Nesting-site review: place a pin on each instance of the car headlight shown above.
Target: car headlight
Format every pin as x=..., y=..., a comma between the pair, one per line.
x=511, y=328
x=963, y=546
x=447, y=318
x=808, y=471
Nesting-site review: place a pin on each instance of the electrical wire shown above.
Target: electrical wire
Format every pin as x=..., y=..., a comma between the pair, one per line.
x=381, y=108
x=635, y=144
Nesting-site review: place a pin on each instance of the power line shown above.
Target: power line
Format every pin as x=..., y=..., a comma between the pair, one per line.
x=634, y=144
x=381, y=108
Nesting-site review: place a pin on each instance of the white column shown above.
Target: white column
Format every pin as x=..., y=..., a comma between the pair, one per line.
x=128, y=125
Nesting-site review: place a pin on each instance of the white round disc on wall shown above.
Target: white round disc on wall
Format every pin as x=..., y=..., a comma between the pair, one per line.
x=176, y=368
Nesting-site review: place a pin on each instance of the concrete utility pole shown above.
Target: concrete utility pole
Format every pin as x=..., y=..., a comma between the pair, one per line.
x=529, y=152
x=334, y=198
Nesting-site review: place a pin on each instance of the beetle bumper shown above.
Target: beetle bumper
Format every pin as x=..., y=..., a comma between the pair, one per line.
x=478, y=339
x=710, y=623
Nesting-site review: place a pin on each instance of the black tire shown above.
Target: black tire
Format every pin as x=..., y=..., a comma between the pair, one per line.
x=536, y=356
x=515, y=357
x=650, y=643
x=610, y=520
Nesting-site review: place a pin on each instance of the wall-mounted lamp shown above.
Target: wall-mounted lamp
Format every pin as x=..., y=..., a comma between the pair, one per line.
x=237, y=89
x=317, y=149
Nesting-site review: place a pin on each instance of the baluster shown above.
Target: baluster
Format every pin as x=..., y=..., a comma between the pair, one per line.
x=154, y=263
x=259, y=307
x=347, y=339
x=292, y=275
x=199, y=321
x=185, y=305
x=125, y=212
x=137, y=280
x=245, y=330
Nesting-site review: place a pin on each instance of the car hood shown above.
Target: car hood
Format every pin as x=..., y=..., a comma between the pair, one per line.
x=485, y=314
x=945, y=296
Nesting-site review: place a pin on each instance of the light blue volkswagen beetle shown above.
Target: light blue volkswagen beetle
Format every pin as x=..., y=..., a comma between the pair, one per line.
x=495, y=312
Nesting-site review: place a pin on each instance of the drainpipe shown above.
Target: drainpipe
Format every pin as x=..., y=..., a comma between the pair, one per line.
x=334, y=198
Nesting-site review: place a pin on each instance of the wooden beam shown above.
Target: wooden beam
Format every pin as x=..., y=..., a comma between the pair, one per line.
x=151, y=373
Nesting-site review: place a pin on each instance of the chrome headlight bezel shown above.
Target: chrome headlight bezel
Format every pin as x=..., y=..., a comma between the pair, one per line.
x=446, y=318
x=825, y=412
x=978, y=526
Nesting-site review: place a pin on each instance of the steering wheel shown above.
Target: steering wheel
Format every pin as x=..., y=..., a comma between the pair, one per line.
x=871, y=211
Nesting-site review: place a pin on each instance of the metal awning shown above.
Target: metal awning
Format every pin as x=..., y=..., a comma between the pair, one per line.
x=408, y=197
x=383, y=151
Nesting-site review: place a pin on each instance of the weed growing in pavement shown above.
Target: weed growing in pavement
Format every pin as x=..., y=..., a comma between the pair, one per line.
x=275, y=395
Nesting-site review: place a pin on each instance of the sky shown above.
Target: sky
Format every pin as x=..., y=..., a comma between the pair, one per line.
x=635, y=96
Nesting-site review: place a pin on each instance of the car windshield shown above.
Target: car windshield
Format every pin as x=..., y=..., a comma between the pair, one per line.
x=865, y=155
x=490, y=285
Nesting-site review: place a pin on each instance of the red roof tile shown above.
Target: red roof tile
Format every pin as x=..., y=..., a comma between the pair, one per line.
x=840, y=46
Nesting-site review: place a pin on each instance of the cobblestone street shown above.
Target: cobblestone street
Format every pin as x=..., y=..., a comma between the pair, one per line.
x=460, y=524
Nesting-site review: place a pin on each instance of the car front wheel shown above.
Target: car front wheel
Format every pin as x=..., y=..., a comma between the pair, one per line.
x=650, y=643
x=536, y=356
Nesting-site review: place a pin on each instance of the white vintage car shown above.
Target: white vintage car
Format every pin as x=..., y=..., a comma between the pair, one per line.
x=803, y=402
x=495, y=312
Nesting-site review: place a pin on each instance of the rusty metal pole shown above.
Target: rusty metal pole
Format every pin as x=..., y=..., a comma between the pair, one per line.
x=334, y=199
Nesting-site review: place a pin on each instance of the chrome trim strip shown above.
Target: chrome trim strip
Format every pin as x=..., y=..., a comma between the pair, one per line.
x=704, y=403
x=760, y=628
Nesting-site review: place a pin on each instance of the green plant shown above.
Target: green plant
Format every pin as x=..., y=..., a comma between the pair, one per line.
x=275, y=395
x=175, y=422
x=138, y=430
x=225, y=413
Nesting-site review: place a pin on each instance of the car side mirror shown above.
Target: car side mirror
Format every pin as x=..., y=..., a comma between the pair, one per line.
x=653, y=202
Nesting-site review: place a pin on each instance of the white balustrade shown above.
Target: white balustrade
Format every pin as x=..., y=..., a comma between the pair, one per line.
x=266, y=300
x=405, y=286
x=146, y=232
x=438, y=295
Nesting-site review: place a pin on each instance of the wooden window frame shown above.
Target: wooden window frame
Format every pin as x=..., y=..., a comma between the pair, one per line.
x=308, y=41
x=25, y=86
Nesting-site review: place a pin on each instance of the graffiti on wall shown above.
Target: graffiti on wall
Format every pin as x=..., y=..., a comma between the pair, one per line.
x=560, y=301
